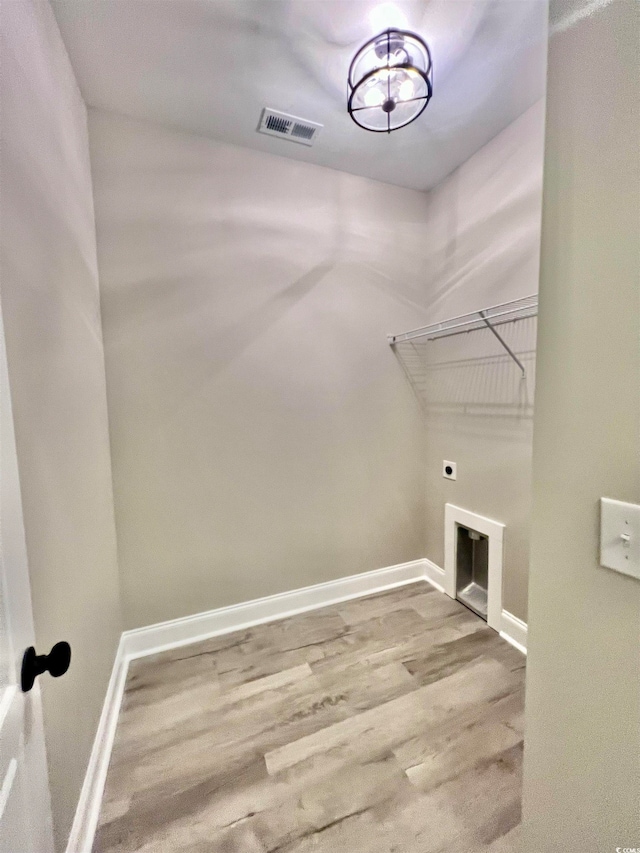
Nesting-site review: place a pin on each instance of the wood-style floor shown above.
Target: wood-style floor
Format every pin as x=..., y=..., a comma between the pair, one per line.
x=387, y=724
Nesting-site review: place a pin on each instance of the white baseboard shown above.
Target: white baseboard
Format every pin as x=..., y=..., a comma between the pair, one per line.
x=514, y=631
x=88, y=810
x=191, y=629
x=434, y=575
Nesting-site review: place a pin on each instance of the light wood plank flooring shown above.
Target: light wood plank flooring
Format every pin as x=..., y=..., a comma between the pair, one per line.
x=388, y=724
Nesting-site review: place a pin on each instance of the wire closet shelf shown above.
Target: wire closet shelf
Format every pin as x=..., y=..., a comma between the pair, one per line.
x=496, y=315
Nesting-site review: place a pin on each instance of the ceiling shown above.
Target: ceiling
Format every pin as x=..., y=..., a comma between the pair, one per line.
x=210, y=66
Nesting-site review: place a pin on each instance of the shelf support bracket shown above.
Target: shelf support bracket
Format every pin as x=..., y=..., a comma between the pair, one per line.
x=503, y=342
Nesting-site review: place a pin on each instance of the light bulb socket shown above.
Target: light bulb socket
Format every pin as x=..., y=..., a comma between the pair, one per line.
x=388, y=46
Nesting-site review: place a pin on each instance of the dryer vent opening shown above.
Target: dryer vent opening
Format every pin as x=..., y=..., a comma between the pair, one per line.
x=472, y=569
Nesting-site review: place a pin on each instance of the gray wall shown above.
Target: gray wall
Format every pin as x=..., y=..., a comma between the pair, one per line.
x=582, y=775
x=263, y=435
x=51, y=311
x=482, y=248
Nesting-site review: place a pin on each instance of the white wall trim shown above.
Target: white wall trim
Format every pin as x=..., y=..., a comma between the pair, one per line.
x=514, y=631
x=434, y=575
x=191, y=629
x=88, y=810
x=201, y=626
x=494, y=530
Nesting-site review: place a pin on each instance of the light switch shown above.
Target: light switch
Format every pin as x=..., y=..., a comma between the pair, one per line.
x=620, y=536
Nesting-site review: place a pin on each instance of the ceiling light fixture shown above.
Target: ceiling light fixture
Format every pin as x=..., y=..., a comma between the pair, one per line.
x=390, y=81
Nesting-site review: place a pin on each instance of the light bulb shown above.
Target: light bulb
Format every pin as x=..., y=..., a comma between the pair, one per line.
x=374, y=97
x=406, y=90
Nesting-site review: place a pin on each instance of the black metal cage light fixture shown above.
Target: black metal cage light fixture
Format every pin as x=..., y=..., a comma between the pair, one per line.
x=390, y=81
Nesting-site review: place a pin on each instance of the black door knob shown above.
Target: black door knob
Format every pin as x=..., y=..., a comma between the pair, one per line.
x=56, y=663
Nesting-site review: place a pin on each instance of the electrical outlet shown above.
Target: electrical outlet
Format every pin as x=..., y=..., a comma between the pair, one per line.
x=449, y=470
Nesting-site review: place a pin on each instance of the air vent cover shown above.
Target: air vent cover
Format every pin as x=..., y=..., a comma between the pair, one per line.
x=289, y=127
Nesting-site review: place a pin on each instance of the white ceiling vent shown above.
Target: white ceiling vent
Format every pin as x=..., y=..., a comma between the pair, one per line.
x=289, y=127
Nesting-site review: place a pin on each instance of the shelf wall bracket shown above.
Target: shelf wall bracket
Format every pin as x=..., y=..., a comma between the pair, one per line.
x=488, y=324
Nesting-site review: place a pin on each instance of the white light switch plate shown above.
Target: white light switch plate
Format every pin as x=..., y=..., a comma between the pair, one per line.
x=620, y=536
